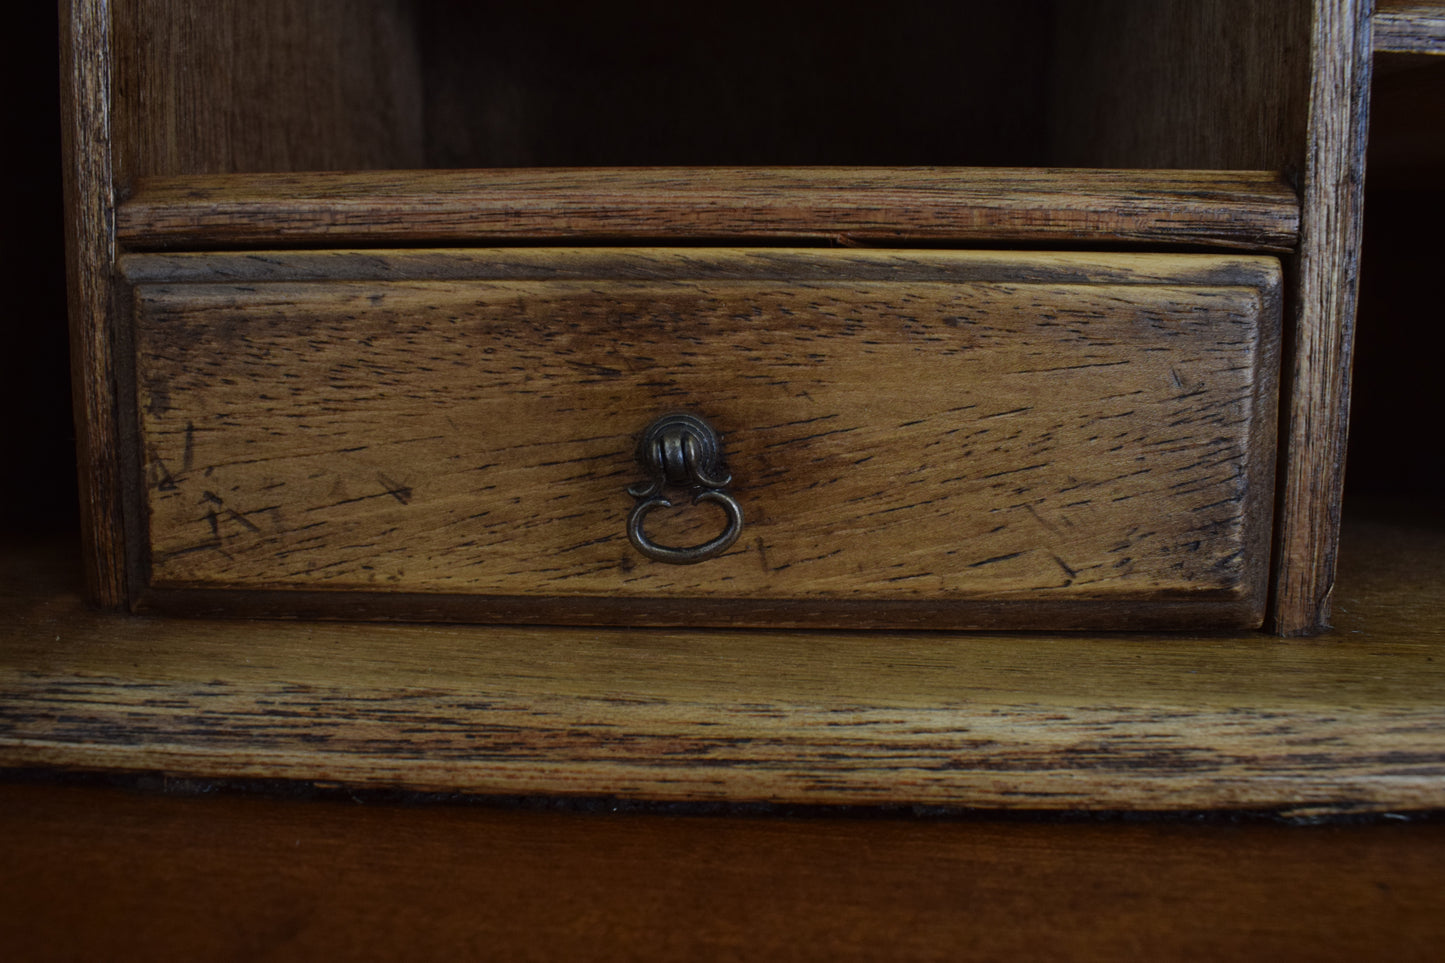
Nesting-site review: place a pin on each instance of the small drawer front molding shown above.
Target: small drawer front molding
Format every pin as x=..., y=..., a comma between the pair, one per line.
x=915, y=438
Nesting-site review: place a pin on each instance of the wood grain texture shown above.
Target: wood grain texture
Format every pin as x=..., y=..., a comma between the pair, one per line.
x=255, y=85
x=1409, y=26
x=1317, y=376
x=1352, y=721
x=1250, y=210
x=89, y=256
x=97, y=873
x=987, y=428
x=1181, y=83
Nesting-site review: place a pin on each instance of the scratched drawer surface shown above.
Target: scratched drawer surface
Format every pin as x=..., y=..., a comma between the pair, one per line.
x=913, y=438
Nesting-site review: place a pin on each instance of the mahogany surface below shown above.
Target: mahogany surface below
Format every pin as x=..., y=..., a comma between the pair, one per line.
x=98, y=873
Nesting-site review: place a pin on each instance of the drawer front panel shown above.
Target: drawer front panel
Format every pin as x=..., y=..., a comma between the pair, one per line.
x=975, y=428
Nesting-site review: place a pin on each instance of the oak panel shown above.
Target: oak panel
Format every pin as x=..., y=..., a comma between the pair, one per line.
x=1050, y=430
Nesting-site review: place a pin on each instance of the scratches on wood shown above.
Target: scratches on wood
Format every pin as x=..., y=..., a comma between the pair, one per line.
x=1187, y=721
x=930, y=427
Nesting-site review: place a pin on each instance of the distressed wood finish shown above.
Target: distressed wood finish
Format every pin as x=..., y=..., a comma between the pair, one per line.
x=956, y=428
x=1138, y=84
x=1280, y=85
x=1349, y=722
x=89, y=254
x=1250, y=210
x=1409, y=26
x=1317, y=375
x=257, y=85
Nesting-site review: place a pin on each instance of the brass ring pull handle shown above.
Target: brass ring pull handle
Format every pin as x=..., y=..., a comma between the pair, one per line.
x=682, y=452
x=695, y=553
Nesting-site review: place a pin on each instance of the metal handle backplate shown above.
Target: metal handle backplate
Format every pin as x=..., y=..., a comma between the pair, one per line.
x=682, y=452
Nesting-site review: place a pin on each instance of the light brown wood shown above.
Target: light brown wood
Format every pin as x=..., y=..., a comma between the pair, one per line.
x=1317, y=375
x=1249, y=210
x=89, y=253
x=93, y=873
x=1181, y=83
x=1410, y=26
x=1045, y=431
x=1281, y=85
x=246, y=87
x=256, y=85
x=1348, y=722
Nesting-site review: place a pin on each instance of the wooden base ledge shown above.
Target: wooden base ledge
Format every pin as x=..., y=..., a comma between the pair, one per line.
x=1351, y=721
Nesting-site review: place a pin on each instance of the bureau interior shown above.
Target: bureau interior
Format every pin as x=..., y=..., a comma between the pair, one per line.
x=236, y=86
x=445, y=132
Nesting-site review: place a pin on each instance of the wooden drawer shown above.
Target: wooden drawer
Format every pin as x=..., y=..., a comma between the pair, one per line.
x=916, y=438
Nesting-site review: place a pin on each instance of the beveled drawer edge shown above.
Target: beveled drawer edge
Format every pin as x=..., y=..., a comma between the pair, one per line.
x=1239, y=607
x=1218, y=609
x=757, y=264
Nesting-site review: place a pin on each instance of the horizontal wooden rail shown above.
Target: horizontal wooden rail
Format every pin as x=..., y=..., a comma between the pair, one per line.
x=1410, y=26
x=1249, y=210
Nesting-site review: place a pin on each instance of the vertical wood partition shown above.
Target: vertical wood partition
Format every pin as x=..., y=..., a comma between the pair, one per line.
x=90, y=254
x=1317, y=382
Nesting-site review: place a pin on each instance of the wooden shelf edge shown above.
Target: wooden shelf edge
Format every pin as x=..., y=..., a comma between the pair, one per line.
x=1353, y=721
x=1409, y=26
x=1246, y=210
